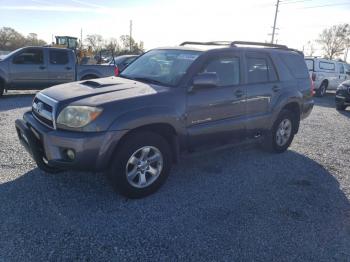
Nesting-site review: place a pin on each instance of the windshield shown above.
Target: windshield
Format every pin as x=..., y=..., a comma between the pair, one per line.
x=309, y=64
x=3, y=56
x=161, y=66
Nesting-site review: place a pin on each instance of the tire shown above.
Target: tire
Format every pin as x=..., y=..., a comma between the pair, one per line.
x=321, y=91
x=340, y=106
x=286, y=121
x=128, y=171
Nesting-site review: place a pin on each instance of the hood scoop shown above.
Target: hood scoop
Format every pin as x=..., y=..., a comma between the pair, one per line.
x=95, y=84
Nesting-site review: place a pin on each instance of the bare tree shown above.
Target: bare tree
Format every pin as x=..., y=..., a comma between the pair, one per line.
x=95, y=41
x=333, y=40
x=135, y=48
x=112, y=45
x=32, y=39
x=10, y=39
x=310, y=48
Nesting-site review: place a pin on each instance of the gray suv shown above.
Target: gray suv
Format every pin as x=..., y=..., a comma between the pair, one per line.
x=169, y=102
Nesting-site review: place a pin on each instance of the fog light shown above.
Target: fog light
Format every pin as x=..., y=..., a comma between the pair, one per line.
x=70, y=154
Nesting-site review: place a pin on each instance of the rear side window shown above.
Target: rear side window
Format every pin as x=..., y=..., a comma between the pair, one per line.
x=226, y=68
x=260, y=69
x=58, y=57
x=327, y=66
x=296, y=65
x=29, y=57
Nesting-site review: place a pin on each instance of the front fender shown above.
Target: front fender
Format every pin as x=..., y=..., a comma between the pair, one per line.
x=147, y=116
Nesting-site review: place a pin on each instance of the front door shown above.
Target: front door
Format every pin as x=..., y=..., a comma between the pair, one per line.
x=28, y=69
x=216, y=114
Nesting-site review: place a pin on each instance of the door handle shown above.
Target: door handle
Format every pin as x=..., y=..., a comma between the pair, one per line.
x=42, y=67
x=276, y=88
x=239, y=93
x=68, y=68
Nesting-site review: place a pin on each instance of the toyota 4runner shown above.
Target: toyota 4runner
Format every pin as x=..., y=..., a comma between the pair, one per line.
x=170, y=101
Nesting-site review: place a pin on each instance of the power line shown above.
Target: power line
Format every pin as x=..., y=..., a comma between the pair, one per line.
x=319, y=6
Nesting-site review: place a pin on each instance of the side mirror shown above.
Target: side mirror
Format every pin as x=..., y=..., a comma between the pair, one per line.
x=348, y=73
x=208, y=79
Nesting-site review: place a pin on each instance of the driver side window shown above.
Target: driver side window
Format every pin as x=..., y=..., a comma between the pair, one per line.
x=29, y=57
x=226, y=68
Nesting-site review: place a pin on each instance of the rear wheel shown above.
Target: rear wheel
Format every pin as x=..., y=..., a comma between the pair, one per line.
x=282, y=133
x=322, y=90
x=141, y=164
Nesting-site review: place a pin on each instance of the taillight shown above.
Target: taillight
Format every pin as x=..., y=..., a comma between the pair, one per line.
x=313, y=77
x=116, y=71
x=312, y=87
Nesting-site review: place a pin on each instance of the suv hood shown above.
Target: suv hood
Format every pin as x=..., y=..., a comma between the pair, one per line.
x=102, y=90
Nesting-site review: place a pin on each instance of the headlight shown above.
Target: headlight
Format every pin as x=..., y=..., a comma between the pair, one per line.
x=78, y=116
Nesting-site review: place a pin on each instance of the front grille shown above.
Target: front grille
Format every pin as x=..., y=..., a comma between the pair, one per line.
x=43, y=111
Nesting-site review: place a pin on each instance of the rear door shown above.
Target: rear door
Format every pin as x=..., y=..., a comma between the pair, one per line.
x=61, y=67
x=28, y=69
x=263, y=89
x=216, y=115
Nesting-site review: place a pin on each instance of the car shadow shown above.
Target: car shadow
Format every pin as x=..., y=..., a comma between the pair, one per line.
x=327, y=101
x=15, y=100
x=244, y=205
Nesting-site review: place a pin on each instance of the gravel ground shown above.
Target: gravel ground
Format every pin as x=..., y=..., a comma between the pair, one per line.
x=239, y=204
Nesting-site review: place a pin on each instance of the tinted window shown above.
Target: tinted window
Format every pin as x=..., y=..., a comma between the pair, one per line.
x=296, y=64
x=29, y=56
x=58, y=57
x=341, y=69
x=327, y=66
x=226, y=68
x=257, y=70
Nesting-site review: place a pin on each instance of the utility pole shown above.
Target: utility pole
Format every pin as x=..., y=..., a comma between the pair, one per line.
x=81, y=37
x=274, y=23
x=130, y=37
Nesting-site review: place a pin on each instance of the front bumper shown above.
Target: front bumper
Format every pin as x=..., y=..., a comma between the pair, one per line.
x=342, y=97
x=93, y=150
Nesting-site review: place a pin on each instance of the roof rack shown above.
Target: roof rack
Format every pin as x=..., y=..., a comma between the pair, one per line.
x=233, y=44
x=219, y=43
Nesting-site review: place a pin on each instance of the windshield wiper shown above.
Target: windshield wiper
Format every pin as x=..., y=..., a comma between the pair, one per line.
x=148, y=80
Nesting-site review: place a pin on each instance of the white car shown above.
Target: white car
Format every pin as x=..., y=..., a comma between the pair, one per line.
x=326, y=74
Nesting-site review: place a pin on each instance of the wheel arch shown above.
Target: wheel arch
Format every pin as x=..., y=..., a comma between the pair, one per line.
x=295, y=108
x=165, y=130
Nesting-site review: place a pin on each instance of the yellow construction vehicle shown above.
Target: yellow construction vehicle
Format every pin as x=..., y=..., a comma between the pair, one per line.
x=66, y=42
x=72, y=43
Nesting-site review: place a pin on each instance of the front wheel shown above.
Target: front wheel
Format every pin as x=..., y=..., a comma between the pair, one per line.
x=282, y=133
x=141, y=164
x=340, y=106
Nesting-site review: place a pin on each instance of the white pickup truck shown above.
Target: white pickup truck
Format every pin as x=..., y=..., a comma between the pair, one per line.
x=41, y=67
x=326, y=74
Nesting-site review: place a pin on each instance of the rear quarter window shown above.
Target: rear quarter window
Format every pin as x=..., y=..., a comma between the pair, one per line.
x=296, y=65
